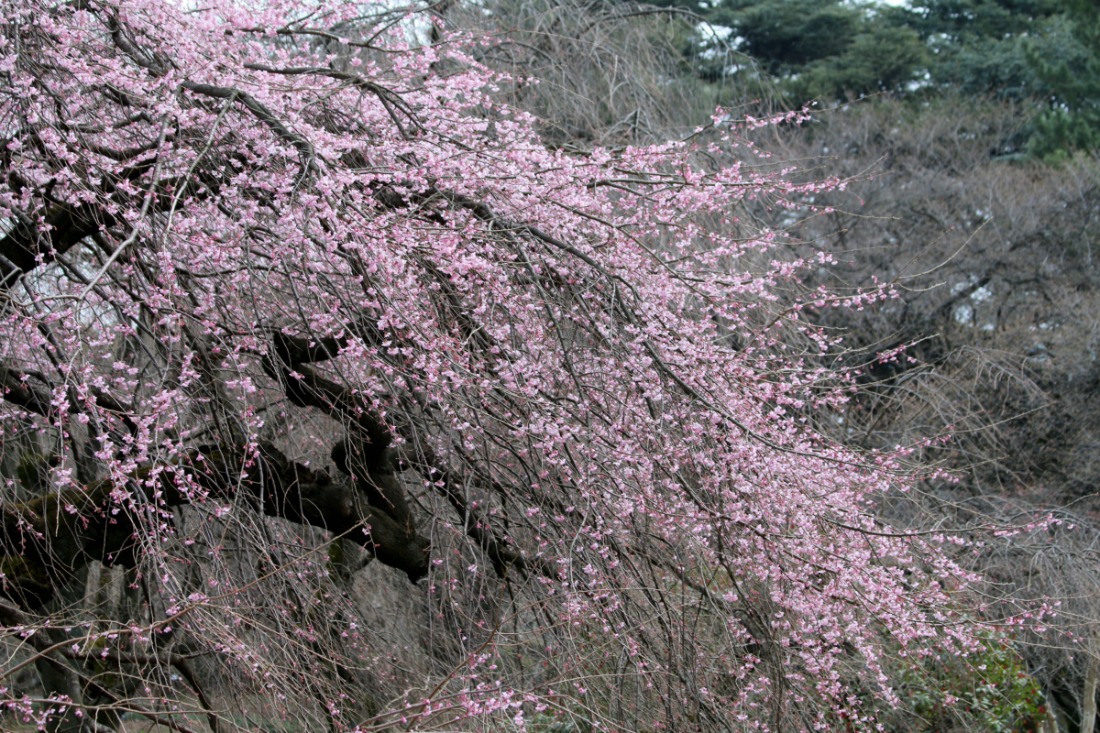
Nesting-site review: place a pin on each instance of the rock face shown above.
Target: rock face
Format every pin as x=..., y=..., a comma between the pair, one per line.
x=401, y=628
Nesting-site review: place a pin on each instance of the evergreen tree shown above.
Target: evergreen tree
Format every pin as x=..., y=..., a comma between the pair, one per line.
x=1073, y=120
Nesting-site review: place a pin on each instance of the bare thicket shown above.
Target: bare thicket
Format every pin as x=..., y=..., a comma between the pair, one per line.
x=594, y=73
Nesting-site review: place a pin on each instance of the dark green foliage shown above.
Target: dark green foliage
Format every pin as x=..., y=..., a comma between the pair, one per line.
x=962, y=20
x=984, y=46
x=1072, y=121
x=989, y=691
x=824, y=50
x=1042, y=54
x=880, y=59
x=785, y=36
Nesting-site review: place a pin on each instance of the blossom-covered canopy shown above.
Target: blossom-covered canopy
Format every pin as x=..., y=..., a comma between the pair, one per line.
x=284, y=281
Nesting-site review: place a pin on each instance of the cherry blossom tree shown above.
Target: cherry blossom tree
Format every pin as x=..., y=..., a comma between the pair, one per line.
x=286, y=287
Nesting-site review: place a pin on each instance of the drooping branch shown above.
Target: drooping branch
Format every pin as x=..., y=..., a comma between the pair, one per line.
x=60, y=533
x=28, y=244
x=365, y=454
x=17, y=389
x=268, y=118
x=392, y=102
x=31, y=393
x=505, y=558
